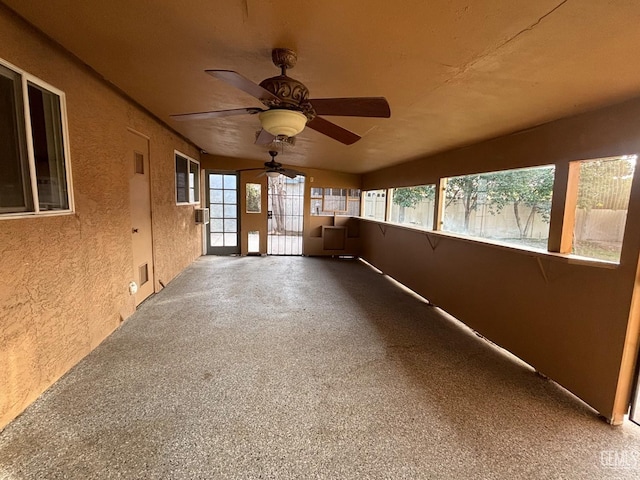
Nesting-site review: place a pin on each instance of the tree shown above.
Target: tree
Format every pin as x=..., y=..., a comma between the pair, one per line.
x=278, y=195
x=604, y=184
x=253, y=197
x=466, y=189
x=409, y=197
x=530, y=187
x=524, y=187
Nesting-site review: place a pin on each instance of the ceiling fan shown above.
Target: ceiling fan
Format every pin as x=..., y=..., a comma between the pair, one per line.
x=288, y=106
x=274, y=169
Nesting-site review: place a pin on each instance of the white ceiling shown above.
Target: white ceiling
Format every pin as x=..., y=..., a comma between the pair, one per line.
x=454, y=72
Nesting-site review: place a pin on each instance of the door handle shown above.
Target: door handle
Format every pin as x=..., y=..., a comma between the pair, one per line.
x=134, y=230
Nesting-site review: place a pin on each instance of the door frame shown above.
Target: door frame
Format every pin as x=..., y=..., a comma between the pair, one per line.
x=272, y=237
x=222, y=250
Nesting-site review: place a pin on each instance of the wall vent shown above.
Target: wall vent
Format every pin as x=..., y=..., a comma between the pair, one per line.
x=143, y=273
x=138, y=162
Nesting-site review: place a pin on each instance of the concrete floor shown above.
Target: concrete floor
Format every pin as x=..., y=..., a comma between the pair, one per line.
x=292, y=367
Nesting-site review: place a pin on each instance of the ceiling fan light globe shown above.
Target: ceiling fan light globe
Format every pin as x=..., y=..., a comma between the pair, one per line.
x=272, y=174
x=280, y=121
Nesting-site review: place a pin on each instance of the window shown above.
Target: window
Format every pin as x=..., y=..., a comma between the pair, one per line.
x=34, y=170
x=353, y=202
x=604, y=187
x=512, y=206
x=187, y=179
x=375, y=204
x=332, y=201
x=254, y=197
x=413, y=206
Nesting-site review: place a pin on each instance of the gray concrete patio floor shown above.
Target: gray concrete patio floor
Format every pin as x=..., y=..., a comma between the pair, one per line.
x=293, y=367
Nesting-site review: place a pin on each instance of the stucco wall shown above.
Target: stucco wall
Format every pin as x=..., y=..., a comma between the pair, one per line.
x=64, y=279
x=576, y=323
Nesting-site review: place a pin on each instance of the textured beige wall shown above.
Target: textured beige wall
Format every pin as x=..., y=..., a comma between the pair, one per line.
x=577, y=324
x=64, y=279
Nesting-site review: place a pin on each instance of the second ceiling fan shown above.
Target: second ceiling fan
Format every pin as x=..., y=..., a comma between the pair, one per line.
x=288, y=106
x=274, y=169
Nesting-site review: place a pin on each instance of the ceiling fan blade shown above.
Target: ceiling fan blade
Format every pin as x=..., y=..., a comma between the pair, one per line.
x=352, y=107
x=236, y=80
x=215, y=114
x=334, y=131
x=291, y=173
x=264, y=138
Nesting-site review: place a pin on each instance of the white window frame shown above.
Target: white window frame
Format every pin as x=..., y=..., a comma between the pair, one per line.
x=190, y=161
x=25, y=79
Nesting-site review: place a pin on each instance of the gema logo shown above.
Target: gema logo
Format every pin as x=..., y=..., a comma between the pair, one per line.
x=620, y=459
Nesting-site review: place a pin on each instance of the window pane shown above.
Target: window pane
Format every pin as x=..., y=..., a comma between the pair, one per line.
x=230, y=196
x=604, y=188
x=217, y=239
x=375, y=202
x=335, y=200
x=512, y=206
x=413, y=206
x=46, y=127
x=229, y=182
x=215, y=225
x=254, y=197
x=215, y=180
x=230, y=239
x=194, y=182
x=15, y=189
x=216, y=211
x=353, y=207
x=230, y=211
x=316, y=206
x=182, y=172
x=215, y=196
x=192, y=190
x=230, y=226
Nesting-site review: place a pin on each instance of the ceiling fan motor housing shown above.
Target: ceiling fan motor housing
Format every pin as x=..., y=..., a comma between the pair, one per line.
x=292, y=95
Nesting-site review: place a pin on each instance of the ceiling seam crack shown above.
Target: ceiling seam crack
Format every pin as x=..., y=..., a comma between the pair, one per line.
x=532, y=26
x=473, y=62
